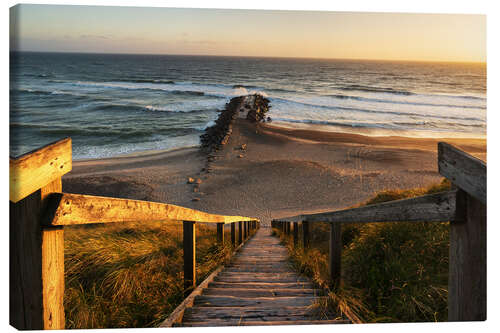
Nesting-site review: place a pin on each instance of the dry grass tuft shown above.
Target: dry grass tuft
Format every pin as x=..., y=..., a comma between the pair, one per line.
x=130, y=275
x=391, y=272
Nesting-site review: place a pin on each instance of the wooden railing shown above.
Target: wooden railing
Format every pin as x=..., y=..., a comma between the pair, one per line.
x=465, y=209
x=39, y=212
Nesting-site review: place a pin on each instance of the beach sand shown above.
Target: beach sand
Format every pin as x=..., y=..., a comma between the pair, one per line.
x=281, y=172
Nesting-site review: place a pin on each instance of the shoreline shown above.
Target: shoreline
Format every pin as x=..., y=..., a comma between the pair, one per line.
x=473, y=144
x=319, y=136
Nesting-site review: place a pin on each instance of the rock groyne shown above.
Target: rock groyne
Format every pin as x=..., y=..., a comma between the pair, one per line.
x=251, y=107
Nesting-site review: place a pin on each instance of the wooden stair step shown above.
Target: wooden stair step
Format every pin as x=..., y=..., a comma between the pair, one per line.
x=258, y=274
x=267, y=313
x=263, y=285
x=259, y=279
x=259, y=265
x=253, y=258
x=260, y=292
x=278, y=270
x=235, y=301
x=243, y=322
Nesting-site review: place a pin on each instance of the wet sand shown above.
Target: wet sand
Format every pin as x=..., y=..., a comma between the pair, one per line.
x=281, y=172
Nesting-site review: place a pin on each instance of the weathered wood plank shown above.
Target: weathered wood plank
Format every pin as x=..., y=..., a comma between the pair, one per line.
x=189, y=236
x=438, y=207
x=52, y=266
x=53, y=277
x=245, y=260
x=295, y=233
x=249, y=293
x=34, y=170
x=277, y=270
x=240, y=232
x=467, y=277
x=335, y=252
x=253, y=276
x=463, y=170
x=259, y=279
x=231, y=301
x=266, y=321
x=228, y=313
x=25, y=264
x=263, y=285
x=36, y=265
x=220, y=234
x=233, y=234
x=259, y=274
x=243, y=265
x=70, y=209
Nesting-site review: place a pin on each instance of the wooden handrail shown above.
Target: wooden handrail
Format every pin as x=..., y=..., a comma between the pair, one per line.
x=38, y=213
x=71, y=209
x=34, y=170
x=438, y=207
x=463, y=170
x=464, y=208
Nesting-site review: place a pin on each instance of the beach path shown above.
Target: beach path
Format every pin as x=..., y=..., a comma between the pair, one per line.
x=257, y=287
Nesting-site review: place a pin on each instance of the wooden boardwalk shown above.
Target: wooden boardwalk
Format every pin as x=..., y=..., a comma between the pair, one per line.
x=258, y=287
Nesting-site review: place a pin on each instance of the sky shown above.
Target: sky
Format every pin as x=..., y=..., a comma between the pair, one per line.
x=265, y=33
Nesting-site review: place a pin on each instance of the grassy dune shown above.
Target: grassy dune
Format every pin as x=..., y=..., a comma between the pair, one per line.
x=391, y=272
x=130, y=275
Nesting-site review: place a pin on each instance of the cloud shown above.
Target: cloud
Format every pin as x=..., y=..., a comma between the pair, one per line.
x=94, y=37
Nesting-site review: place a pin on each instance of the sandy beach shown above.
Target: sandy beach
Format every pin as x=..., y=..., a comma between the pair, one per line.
x=281, y=172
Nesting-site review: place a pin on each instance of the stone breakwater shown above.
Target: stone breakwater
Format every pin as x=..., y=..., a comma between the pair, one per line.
x=251, y=107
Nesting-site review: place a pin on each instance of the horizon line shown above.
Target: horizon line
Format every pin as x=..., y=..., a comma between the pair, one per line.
x=266, y=57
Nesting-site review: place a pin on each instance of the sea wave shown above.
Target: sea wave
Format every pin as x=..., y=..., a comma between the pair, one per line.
x=378, y=100
x=393, y=125
x=46, y=92
x=149, y=81
x=344, y=108
x=173, y=109
x=375, y=89
x=167, y=88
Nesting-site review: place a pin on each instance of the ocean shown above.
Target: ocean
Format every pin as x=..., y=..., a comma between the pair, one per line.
x=118, y=104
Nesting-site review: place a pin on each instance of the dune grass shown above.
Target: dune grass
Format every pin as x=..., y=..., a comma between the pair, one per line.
x=130, y=274
x=391, y=272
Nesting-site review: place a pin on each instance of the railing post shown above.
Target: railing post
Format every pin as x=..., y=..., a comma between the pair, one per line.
x=305, y=234
x=245, y=230
x=220, y=234
x=189, y=233
x=335, y=252
x=240, y=232
x=288, y=228
x=467, y=276
x=295, y=233
x=233, y=235
x=36, y=263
